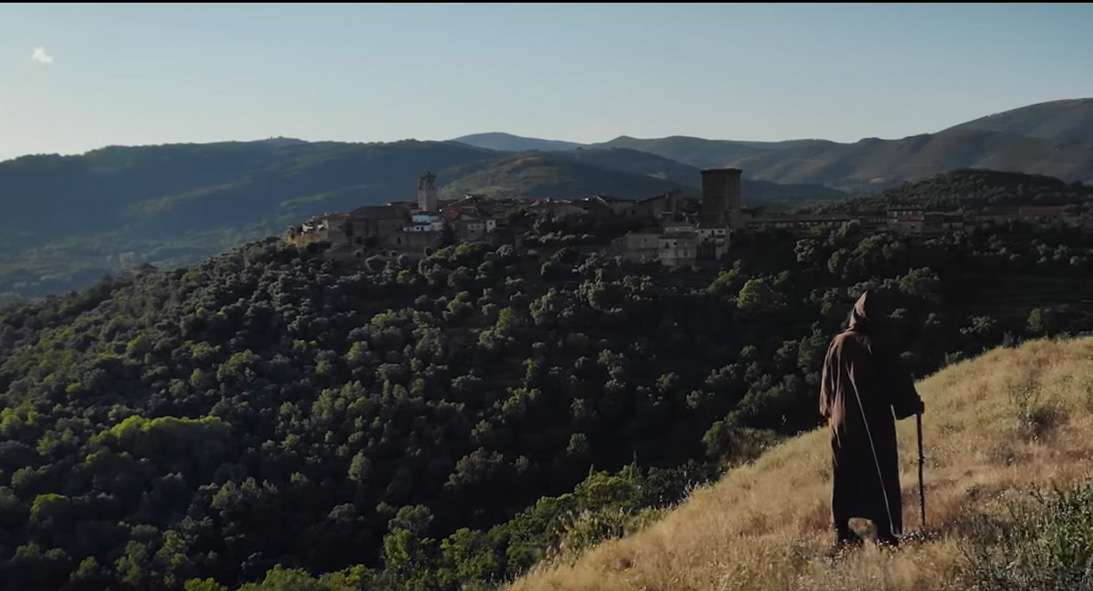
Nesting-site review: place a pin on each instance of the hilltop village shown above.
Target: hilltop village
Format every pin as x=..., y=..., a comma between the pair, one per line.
x=674, y=229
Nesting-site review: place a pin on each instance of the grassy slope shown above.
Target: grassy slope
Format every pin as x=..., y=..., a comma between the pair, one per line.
x=1069, y=120
x=757, y=528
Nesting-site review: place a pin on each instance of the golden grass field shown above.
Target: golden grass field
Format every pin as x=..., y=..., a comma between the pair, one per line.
x=766, y=525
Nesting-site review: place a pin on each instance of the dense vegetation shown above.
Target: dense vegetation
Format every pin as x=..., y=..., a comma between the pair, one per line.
x=970, y=191
x=1011, y=421
x=443, y=424
x=1046, y=544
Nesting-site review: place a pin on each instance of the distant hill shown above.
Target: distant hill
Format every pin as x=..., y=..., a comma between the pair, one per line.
x=1066, y=120
x=875, y=163
x=970, y=188
x=539, y=175
x=1053, y=138
x=66, y=220
x=703, y=153
x=754, y=192
x=506, y=142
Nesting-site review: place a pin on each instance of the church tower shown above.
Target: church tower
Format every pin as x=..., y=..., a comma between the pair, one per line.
x=426, y=193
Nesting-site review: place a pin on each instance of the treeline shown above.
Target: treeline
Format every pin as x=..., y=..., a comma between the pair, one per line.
x=970, y=189
x=272, y=415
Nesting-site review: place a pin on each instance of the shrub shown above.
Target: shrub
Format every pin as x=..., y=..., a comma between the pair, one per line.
x=1047, y=545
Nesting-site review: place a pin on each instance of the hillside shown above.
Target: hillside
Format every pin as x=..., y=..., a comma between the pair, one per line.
x=1066, y=121
x=271, y=416
x=1052, y=138
x=993, y=426
x=704, y=153
x=879, y=163
x=506, y=142
x=971, y=189
x=619, y=172
x=64, y=221
x=544, y=174
x=198, y=187
x=773, y=195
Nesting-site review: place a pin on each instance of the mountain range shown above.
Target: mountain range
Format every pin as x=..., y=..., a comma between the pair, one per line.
x=65, y=220
x=1052, y=138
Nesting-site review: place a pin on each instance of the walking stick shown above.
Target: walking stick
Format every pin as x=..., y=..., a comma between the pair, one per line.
x=921, y=460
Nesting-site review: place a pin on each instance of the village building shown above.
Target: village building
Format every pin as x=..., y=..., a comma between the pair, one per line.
x=558, y=209
x=673, y=229
x=677, y=249
x=410, y=227
x=639, y=245
x=683, y=239
x=604, y=204
x=653, y=209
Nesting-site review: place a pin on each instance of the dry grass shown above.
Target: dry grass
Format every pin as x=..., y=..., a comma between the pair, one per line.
x=1010, y=419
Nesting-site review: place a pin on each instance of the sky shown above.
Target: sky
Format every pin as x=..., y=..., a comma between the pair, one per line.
x=82, y=76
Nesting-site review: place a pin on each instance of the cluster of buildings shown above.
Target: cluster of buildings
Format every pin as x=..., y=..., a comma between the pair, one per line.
x=409, y=226
x=424, y=225
x=670, y=228
x=682, y=237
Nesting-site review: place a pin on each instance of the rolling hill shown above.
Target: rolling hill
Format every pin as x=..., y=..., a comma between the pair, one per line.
x=1065, y=120
x=993, y=426
x=66, y=220
x=755, y=192
x=539, y=175
x=704, y=153
x=1052, y=138
x=875, y=163
x=506, y=142
x=625, y=173
x=970, y=189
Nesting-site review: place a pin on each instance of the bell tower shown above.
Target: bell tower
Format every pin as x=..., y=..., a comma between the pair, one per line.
x=426, y=193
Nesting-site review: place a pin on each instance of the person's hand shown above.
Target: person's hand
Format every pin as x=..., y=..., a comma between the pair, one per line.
x=921, y=407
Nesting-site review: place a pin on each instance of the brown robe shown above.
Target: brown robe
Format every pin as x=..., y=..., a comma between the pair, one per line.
x=863, y=378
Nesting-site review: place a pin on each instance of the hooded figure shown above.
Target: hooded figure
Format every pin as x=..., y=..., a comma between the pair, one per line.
x=862, y=387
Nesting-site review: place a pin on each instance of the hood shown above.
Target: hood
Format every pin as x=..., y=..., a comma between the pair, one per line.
x=868, y=313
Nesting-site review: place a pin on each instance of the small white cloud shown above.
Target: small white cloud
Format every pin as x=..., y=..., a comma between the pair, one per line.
x=41, y=56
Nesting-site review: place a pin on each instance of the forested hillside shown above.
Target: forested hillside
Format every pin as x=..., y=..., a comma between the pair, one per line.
x=969, y=190
x=444, y=424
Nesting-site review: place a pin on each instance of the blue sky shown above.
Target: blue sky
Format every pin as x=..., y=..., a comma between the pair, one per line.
x=149, y=74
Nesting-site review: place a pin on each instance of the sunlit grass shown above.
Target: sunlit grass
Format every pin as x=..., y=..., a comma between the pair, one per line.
x=995, y=425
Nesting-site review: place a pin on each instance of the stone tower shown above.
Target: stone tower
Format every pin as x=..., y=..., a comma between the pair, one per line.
x=426, y=193
x=721, y=196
